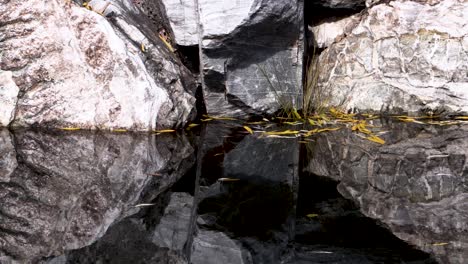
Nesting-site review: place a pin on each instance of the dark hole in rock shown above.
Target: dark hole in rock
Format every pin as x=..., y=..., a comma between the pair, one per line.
x=315, y=14
x=190, y=57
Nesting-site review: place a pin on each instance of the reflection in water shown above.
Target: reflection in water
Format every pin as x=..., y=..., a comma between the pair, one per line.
x=416, y=184
x=69, y=197
x=68, y=188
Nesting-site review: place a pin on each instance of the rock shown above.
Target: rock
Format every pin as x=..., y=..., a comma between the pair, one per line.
x=182, y=16
x=416, y=184
x=247, y=68
x=8, y=97
x=173, y=229
x=328, y=33
x=74, y=68
x=393, y=63
x=253, y=159
x=68, y=188
x=348, y=4
x=211, y=247
x=8, y=162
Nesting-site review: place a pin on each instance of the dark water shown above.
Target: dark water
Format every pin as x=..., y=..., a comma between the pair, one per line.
x=101, y=197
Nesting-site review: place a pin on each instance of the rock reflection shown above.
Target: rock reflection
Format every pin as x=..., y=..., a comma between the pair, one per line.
x=68, y=188
x=416, y=184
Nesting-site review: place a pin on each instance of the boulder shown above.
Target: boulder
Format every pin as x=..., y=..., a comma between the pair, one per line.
x=251, y=52
x=64, y=190
x=415, y=184
x=394, y=63
x=73, y=67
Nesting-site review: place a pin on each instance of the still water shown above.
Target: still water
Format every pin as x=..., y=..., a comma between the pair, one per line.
x=219, y=194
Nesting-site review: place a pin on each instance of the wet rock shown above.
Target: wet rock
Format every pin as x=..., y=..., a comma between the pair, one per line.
x=415, y=184
x=68, y=188
x=393, y=63
x=248, y=68
x=253, y=159
x=74, y=68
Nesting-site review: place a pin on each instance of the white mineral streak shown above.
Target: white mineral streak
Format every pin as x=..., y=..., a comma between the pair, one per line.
x=402, y=55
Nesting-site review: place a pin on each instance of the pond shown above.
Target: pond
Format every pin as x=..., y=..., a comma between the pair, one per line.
x=220, y=193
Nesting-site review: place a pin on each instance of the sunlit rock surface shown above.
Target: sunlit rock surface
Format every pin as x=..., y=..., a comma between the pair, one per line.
x=68, y=188
x=8, y=97
x=73, y=67
x=394, y=61
x=252, y=52
x=416, y=184
x=327, y=33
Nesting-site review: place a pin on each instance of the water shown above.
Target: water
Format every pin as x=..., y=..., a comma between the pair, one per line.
x=101, y=197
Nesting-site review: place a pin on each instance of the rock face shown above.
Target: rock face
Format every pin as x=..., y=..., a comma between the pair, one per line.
x=395, y=63
x=74, y=68
x=251, y=52
x=8, y=96
x=62, y=191
x=416, y=184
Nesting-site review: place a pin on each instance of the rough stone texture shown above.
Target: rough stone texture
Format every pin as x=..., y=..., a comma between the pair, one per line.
x=211, y=247
x=416, y=184
x=8, y=162
x=240, y=40
x=183, y=19
x=68, y=188
x=8, y=97
x=253, y=160
x=328, y=33
x=393, y=62
x=173, y=229
x=73, y=68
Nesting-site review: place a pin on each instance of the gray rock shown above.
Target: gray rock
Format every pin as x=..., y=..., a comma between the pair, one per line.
x=68, y=188
x=8, y=162
x=394, y=63
x=211, y=247
x=173, y=229
x=240, y=40
x=254, y=158
x=416, y=184
x=74, y=68
x=349, y=4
